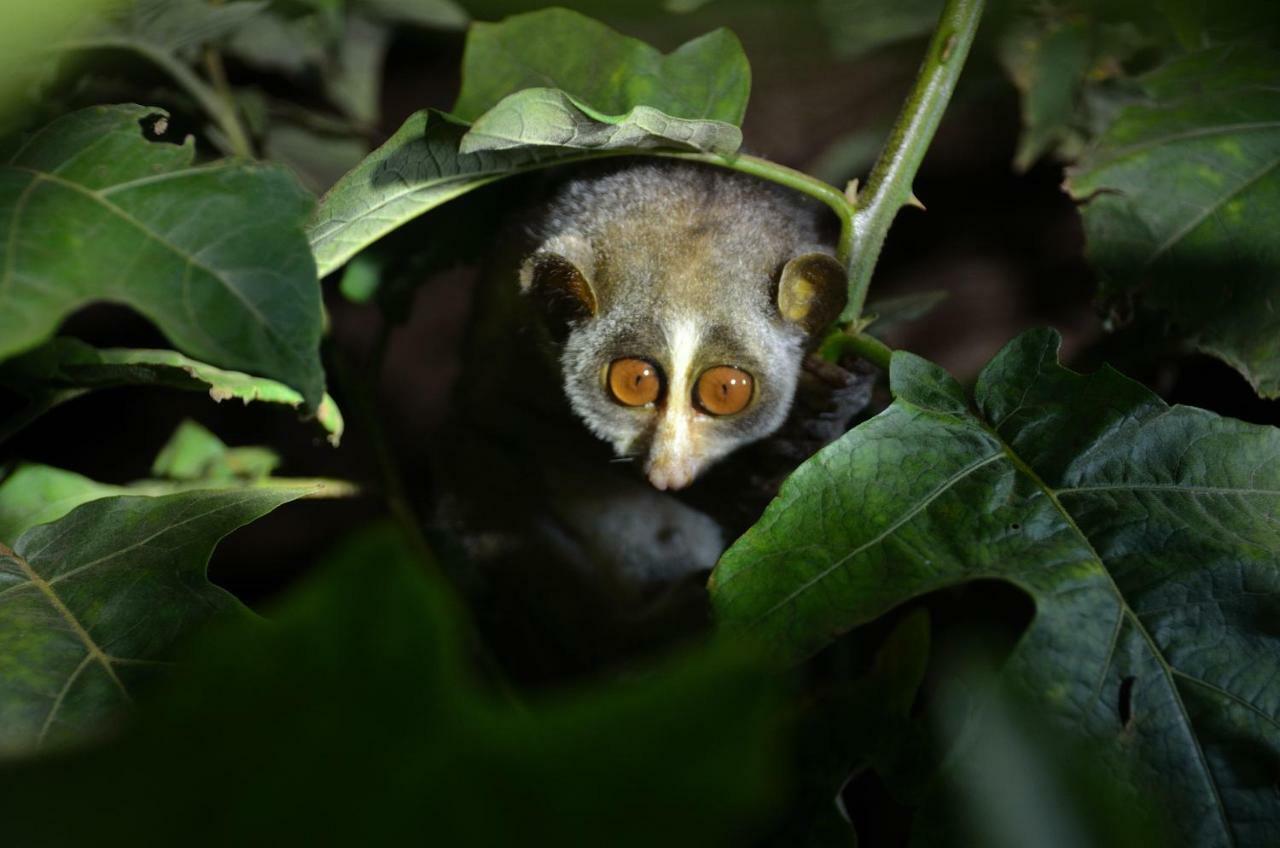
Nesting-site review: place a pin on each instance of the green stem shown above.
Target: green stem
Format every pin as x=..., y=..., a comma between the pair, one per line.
x=217, y=106
x=864, y=346
x=889, y=187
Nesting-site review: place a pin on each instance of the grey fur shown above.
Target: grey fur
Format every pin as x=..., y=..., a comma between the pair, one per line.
x=676, y=251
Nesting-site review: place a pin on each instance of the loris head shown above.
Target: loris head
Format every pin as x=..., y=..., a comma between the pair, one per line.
x=685, y=298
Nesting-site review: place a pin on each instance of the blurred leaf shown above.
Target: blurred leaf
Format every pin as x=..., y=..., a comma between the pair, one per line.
x=1048, y=66
x=361, y=279
x=1014, y=779
x=92, y=210
x=549, y=117
x=890, y=312
x=66, y=363
x=707, y=78
x=430, y=14
x=26, y=30
x=1145, y=534
x=353, y=81
x=177, y=26
x=286, y=45
x=856, y=27
x=194, y=453
x=363, y=727
x=318, y=159
x=93, y=604
x=1181, y=203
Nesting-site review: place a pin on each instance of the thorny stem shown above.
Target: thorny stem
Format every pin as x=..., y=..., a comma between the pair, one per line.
x=216, y=103
x=889, y=187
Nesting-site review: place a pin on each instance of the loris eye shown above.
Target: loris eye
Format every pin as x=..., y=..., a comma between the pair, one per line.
x=634, y=382
x=723, y=390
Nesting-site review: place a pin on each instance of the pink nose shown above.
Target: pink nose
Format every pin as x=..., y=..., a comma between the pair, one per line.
x=668, y=474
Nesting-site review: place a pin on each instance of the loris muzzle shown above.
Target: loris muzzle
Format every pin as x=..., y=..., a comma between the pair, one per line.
x=684, y=298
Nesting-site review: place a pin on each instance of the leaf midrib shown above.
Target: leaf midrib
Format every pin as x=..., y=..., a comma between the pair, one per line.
x=94, y=650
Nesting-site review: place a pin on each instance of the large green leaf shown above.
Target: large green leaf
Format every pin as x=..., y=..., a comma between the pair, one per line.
x=354, y=721
x=707, y=78
x=92, y=210
x=93, y=603
x=543, y=88
x=67, y=363
x=416, y=170
x=1181, y=204
x=1147, y=536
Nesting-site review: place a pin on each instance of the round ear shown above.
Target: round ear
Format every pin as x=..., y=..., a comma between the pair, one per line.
x=559, y=289
x=812, y=291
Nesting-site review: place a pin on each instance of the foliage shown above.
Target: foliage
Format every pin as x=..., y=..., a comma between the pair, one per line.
x=1144, y=535
x=245, y=294
x=416, y=749
x=1122, y=517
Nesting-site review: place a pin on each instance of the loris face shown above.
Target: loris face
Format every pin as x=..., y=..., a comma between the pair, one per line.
x=685, y=307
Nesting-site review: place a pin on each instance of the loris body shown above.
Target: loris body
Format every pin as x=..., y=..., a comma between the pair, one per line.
x=716, y=280
x=654, y=313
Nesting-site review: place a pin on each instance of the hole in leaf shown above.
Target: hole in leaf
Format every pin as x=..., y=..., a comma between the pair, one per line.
x=1126, y=701
x=1015, y=526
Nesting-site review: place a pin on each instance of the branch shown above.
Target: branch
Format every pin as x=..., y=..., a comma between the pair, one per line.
x=889, y=187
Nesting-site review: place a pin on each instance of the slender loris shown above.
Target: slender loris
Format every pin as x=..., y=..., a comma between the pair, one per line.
x=684, y=298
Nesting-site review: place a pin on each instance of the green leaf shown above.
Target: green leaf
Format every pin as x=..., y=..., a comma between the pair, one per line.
x=856, y=27
x=194, y=453
x=213, y=254
x=430, y=14
x=67, y=363
x=607, y=93
x=353, y=80
x=1181, y=203
x=552, y=118
x=1146, y=535
x=416, y=170
x=38, y=494
x=363, y=674
x=180, y=25
x=93, y=604
x=707, y=78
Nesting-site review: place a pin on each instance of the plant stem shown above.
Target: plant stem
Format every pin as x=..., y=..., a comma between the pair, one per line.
x=219, y=108
x=230, y=124
x=889, y=187
x=865, y=346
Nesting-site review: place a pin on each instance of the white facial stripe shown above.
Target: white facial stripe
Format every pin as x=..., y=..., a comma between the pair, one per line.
x=673, y=461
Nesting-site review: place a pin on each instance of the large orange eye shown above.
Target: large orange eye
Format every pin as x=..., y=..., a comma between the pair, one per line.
x=723, y=390
x=634, y=382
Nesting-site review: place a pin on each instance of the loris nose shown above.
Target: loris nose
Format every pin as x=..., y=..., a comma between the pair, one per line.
x=674, y=458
